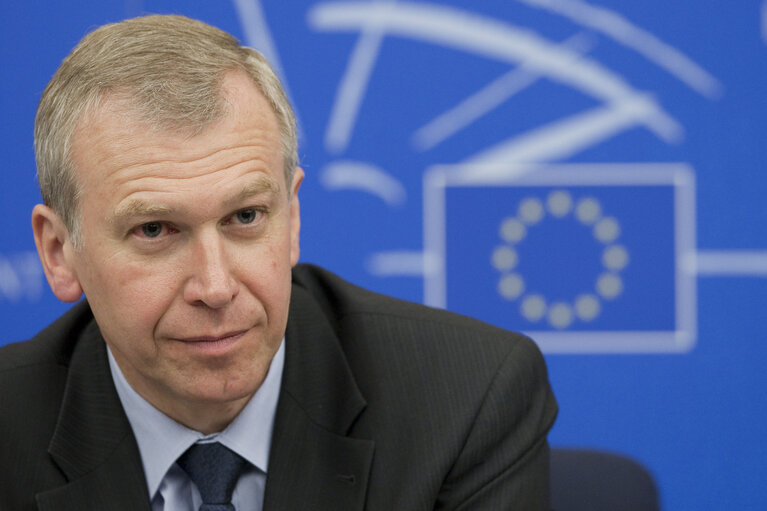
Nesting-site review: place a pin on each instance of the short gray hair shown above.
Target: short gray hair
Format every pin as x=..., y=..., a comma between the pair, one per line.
x=170, y=69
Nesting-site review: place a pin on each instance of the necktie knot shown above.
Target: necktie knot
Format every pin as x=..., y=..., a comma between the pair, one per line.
x=214, y=469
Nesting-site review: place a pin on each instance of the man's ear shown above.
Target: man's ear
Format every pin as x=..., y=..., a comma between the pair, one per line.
x=295, y=215
x=55, y=250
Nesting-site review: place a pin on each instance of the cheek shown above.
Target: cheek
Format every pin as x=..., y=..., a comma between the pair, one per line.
x=149, y=287
x=268, y=278
x=136, y=295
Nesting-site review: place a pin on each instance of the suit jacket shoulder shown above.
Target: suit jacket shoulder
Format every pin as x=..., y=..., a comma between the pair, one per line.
x=63, y=434
x=458, y=410
x=32, y=379
x=384, y=405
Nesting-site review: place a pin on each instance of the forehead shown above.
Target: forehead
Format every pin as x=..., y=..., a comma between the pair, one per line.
x=116, y=142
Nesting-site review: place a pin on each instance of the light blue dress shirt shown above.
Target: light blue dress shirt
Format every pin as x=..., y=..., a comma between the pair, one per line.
x=161, y=440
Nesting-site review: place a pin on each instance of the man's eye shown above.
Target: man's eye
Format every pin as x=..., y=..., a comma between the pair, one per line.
x=151, y=229
x=246, y=216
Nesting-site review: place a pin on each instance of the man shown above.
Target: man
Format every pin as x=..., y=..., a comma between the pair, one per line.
x=205, y=367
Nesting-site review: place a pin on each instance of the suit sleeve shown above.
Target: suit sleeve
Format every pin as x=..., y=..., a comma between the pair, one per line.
x=504, y=463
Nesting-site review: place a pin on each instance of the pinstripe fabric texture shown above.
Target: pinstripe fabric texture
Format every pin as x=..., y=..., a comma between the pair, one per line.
x=384, y=405
x=71, y=448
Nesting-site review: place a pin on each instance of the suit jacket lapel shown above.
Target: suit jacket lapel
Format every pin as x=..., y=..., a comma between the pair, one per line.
x=313, y=464
x=93, y=444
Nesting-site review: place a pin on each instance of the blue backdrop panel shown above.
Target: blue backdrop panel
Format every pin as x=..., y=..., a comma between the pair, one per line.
x=589, y=172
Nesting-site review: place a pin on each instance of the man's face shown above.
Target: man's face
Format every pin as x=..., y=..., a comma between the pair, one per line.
x=188, y=243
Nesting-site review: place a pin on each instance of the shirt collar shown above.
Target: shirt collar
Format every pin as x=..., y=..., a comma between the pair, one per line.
x=161, y=440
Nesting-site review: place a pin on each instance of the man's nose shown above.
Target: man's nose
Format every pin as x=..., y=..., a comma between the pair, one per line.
x=210, y=280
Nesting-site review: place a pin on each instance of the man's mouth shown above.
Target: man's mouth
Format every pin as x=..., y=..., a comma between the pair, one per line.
x=214, y=338
x=213, y=343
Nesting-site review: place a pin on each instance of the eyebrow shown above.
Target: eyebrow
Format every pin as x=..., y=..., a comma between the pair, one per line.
x=261, y=185
x=139, y=207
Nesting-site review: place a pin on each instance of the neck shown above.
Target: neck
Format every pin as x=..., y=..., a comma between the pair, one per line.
x=209, y=419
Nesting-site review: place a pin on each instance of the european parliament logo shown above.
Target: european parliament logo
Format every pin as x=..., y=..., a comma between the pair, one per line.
x=586, y=258
x=582, y=257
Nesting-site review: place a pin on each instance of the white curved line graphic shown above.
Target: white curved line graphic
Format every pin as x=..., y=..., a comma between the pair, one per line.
x=259, y=37
x=354, y=175
x=566, y=137
x=485, y=100
x=452, y=28
x=256, y=30
x=352, y=88
x=646, y=44
x=466, y=31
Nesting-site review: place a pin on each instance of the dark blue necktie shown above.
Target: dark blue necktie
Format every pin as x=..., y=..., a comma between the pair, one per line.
x=215, y=470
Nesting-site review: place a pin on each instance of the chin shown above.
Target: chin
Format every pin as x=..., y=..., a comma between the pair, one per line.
x=223, y=390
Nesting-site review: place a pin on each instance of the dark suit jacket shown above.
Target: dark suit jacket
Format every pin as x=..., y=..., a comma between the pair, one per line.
x=384, y=405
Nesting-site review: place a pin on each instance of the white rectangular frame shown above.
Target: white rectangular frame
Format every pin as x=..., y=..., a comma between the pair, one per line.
x=439, y=178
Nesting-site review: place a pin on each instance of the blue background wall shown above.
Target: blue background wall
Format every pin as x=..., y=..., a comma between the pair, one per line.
x=649, y=307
